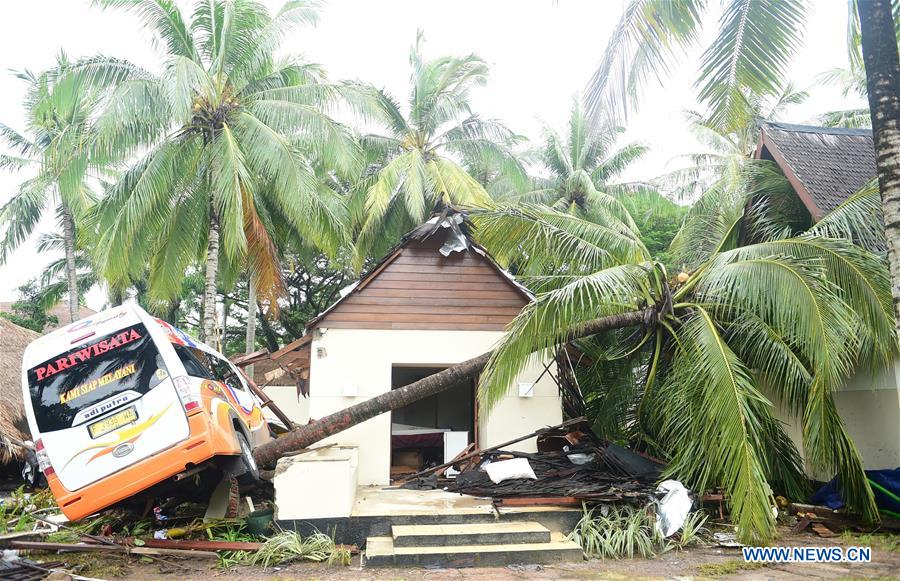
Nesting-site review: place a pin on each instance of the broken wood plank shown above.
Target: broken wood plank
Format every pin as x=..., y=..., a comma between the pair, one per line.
x=251, y=358
x=114, y=548
x=801, y=525
x=267, y=402
x=823, y=531
x=538, y=501
x=201, y=545
x=467, y=450
x=533, y=434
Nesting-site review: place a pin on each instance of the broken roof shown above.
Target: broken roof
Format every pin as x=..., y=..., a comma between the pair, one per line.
x=294, y=359
x=825, y=165
x=449, y=221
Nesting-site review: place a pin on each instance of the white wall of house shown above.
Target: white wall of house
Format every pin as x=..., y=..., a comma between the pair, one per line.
x=869, y=405
x=349, y=366
x=295, y=406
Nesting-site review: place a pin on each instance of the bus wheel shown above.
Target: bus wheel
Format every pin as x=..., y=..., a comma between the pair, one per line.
x=251, y=470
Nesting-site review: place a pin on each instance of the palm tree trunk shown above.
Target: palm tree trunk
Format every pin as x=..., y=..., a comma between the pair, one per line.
x=269, y=334
x=269, y=453
x=879, y=46
x=71, y=273
x=208, y=324
x=251, y=322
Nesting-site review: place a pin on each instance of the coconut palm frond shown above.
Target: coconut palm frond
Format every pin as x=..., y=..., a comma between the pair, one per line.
x=858, y=218
x=750, y=54
x=537, y=239
x=718, y=412
x=547, y=321
x=649, y=37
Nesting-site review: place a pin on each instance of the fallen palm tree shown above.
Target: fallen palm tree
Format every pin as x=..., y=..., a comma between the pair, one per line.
x=302, y=437
x=686, y=367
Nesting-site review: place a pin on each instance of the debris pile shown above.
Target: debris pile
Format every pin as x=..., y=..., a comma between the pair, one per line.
x=571, y=467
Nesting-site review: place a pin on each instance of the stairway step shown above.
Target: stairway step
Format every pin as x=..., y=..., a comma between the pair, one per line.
x=381, y=552
x=495, y=533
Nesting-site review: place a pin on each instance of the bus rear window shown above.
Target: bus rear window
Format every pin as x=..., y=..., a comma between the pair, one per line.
x=126, y=360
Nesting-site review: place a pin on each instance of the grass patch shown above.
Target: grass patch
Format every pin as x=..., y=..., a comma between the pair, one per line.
x=94, y=564
x=289, y=546
x=887, y=542
x=726, y=568
x=628, y=532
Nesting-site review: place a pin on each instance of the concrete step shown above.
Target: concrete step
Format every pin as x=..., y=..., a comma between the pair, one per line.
x=381, y=552
x=497, y=533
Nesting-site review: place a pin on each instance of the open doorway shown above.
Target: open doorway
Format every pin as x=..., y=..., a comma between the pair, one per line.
x=433, y=430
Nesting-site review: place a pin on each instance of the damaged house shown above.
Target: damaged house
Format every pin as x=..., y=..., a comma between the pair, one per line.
x=825, y=166
x=435, y=300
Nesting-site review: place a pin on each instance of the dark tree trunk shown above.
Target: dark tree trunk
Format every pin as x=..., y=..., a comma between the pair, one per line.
x=302, y=437
x=269, y=334
x=879, y=46
x=250, y=338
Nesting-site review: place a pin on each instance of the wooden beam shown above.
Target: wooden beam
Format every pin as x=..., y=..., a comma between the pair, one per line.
x=538, y=501
x=293, y=345
x=251, y=358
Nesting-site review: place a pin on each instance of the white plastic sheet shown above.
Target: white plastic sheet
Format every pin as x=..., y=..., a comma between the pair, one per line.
x=506, y=469
x=673, y=508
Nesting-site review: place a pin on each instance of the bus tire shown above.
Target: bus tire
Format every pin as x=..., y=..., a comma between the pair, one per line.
x=251, y=470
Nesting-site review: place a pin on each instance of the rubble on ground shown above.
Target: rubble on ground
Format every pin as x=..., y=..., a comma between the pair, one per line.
x=572, y=467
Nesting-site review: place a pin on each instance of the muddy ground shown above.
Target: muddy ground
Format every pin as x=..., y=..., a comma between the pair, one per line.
x=698, y=563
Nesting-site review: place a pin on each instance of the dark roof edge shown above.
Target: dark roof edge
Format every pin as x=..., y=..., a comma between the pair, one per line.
x=865, y=132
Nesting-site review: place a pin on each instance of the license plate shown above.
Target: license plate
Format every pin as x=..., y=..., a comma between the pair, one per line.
x=113, y=422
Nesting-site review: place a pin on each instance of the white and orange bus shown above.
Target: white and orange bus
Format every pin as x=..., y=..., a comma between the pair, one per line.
x=122, y=401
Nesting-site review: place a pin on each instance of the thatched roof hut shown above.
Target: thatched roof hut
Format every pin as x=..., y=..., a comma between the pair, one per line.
x=13, y=427
x=60, y=310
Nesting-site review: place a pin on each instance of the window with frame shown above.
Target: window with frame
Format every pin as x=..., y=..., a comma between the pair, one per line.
x=195, y=362
x=226, y=373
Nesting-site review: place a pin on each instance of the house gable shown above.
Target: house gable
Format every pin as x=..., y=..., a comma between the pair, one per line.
x=417, y=287
x=824, y=165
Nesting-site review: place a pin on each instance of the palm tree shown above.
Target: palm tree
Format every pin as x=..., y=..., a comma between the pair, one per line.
x=54, y=280
x=880, y=30
x=704, y=357
x=582, y=166
x=722, y=346
x=719, y=178
x=422, y=151
x=57, y=147
x=753, y=45
x=227, y=133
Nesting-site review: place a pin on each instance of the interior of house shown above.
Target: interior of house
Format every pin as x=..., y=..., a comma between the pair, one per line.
x=433, y=430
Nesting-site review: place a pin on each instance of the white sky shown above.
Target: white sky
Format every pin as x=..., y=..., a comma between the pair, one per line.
x=541, y=54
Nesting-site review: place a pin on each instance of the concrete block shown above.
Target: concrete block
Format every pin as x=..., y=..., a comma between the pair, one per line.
x=498, y=533
x=315, y=485
x=381, y=552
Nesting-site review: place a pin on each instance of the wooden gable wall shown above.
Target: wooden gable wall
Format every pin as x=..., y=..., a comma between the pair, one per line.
x=422, y=289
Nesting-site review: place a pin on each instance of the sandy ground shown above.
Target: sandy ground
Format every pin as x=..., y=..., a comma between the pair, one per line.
x=698, y=563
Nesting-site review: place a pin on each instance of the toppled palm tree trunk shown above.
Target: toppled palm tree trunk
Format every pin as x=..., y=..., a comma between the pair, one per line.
x=268, y=454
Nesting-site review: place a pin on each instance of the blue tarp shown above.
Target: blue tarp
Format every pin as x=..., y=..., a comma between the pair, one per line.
x=885, y=485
